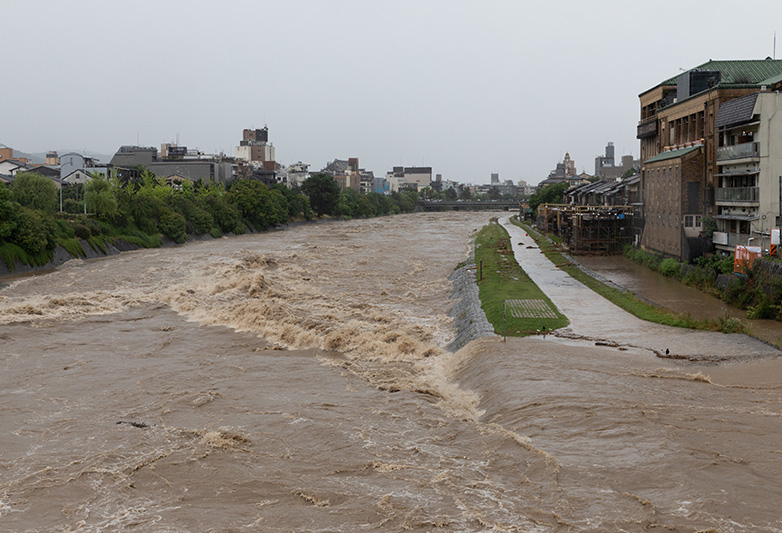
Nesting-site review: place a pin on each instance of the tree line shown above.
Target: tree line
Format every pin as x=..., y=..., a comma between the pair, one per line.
x=35, y=217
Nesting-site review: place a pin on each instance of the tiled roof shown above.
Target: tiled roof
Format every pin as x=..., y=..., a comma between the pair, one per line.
x=736, y=111
x=740, y=72
x=672, y=154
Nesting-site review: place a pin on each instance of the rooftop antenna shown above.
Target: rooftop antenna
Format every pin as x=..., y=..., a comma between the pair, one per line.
x=775, y=45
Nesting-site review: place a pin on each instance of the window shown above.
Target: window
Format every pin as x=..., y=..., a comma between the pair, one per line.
x=697, y=221
x=688, y=221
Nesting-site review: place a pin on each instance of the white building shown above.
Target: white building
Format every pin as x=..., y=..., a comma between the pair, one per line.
x=403, y=176
x=749, y=177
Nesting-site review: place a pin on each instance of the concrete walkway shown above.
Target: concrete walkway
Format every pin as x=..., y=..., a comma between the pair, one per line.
x=592, y=316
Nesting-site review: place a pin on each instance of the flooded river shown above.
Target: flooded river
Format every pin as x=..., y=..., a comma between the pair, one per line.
x=298, y=380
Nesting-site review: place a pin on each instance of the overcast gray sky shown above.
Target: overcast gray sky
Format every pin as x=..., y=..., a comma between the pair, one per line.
x=466, y=87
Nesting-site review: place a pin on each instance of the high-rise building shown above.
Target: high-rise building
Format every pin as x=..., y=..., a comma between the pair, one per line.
x=256, y=149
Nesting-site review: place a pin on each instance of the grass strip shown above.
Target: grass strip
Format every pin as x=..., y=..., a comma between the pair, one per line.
x=627, y=300
x=503, y=279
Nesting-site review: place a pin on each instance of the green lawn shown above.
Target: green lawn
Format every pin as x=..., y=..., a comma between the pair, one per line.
x=503, y=279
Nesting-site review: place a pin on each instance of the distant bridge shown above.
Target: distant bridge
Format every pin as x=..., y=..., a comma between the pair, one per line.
x=463, y=205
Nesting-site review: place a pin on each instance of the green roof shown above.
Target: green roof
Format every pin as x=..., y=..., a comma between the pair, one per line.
x=672, y=154
x=738, y=73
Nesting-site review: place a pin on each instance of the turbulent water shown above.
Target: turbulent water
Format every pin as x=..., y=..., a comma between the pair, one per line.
x=298, y=381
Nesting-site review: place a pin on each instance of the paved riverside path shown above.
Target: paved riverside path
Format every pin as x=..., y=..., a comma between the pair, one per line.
x=592, y=316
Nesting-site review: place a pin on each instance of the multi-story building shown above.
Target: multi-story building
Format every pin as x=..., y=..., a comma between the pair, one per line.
x=749, y=178
x=179, y=163
x=679, y=140
x=256, y=149
x=606, y=160
x=345, y=173
x=294, y=175
x=409, y=177
x=606, y=167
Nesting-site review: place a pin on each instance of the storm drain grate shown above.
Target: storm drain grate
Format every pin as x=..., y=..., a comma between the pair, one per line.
x=530, y=309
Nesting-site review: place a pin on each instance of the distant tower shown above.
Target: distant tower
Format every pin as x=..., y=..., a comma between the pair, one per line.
x=610, y=154
x=495, y=179
x=570, y=166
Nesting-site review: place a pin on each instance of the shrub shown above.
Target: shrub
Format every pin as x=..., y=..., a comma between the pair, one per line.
x=69, y=205
x=173, y=226
x=728, y=324
x=82, y=232
x=202, y=221
x=34, y=232
x=765, y=308
x=93, y=225
x=670, y=267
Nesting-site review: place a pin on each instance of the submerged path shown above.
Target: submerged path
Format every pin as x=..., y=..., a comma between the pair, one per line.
x=592, y=316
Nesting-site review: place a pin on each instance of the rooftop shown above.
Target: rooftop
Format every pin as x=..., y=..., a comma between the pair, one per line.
x=672, y=154
x=741, y=73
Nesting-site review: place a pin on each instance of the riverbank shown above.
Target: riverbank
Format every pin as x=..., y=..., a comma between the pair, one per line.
x=599, y=320
x=61, y=255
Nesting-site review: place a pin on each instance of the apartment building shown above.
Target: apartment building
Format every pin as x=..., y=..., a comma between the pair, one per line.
x=679, y=139
x=749, y=178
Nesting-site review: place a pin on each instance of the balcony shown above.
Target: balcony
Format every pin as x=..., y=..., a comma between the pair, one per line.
x=737, y=195
x=738, y=151
x=647, y=127
x=730, y=240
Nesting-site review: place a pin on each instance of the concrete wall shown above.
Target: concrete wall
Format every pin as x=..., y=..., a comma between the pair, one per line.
x=769, y=137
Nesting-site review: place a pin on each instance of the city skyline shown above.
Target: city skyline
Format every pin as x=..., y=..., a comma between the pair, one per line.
x=467, y=88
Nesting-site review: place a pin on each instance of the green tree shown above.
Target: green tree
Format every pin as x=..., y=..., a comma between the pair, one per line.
x=226, y=216
x=550, y=194
x=450, y=194
x=364, y=207
x=35, y=231
x=347, y=205
x=7, y=213
x=323, y=192
x=298, y=204
x=259, y=205
x=406, y=201
x=381, y=204
x=32, y=190
x=173, y=226
x=100, y=195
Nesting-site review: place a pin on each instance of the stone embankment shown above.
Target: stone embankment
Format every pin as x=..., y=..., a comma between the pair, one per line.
x=470, y=321
x=61, y=256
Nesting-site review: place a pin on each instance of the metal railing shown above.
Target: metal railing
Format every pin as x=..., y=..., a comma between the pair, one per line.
x=737, y=194
x=738, y=151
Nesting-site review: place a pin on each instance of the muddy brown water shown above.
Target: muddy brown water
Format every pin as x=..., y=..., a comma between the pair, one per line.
x=297, y=381
x=676, y=296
